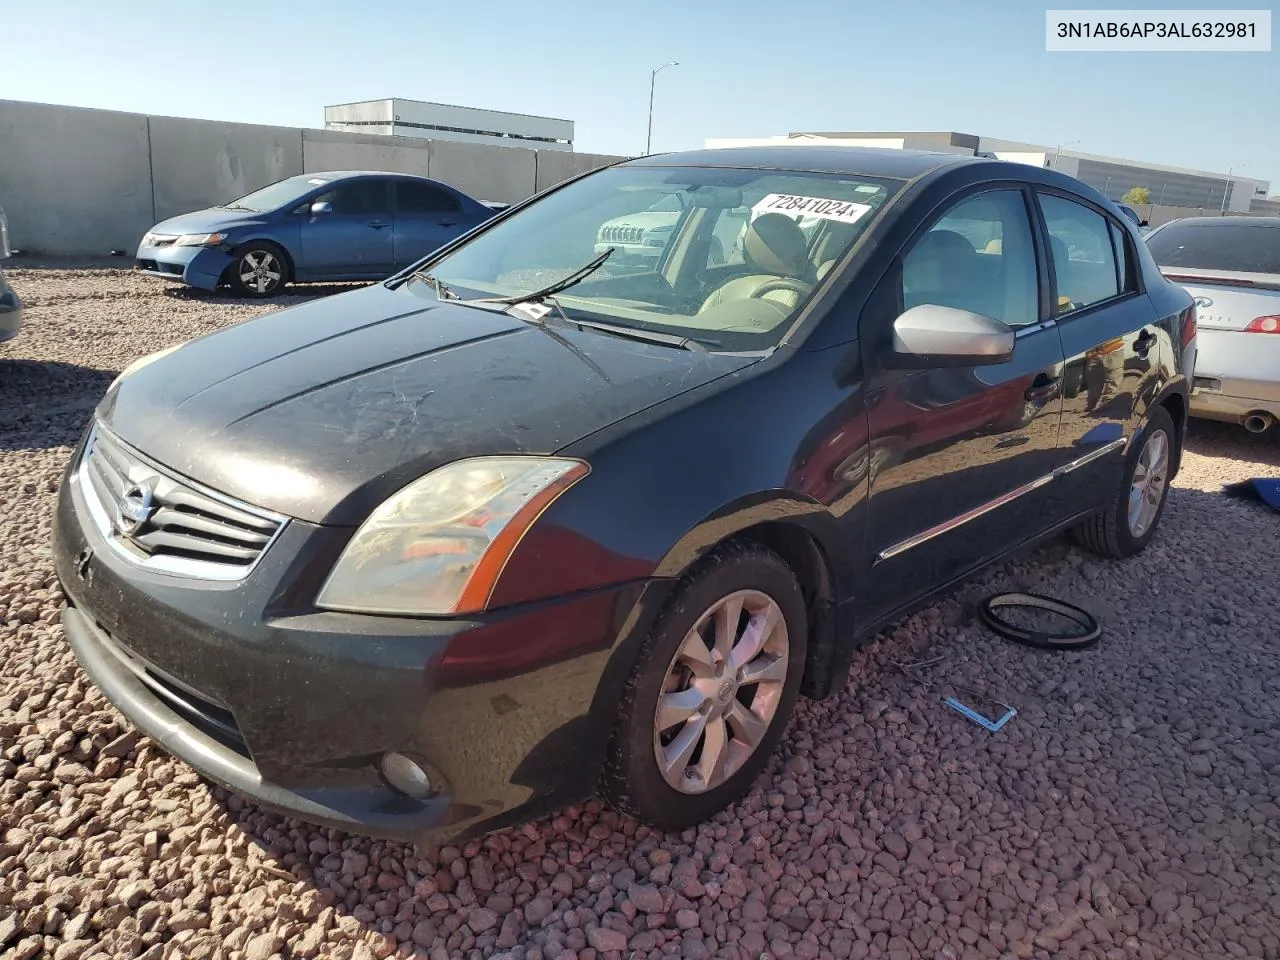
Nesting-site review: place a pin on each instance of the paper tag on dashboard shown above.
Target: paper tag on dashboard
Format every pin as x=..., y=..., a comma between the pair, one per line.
x=844, y=211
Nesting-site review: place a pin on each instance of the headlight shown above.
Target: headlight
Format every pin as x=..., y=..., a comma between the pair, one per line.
x=199, y=239
x=438, y=546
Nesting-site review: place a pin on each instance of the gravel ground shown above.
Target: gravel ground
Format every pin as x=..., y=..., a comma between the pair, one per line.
x=1128, y=810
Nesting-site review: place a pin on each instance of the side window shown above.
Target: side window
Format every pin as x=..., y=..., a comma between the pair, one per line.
x=979, y=257
x=364, y=197
x=1084, y=258
x=414, y=197
x=1125, y=276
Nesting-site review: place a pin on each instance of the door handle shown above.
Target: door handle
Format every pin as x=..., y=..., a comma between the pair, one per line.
x=1042, y=388
x=378, y=224
x=448, y=223
x=1142, y=345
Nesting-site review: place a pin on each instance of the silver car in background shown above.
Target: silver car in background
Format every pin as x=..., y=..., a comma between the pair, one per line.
x=10, y=305
x=1231, y=265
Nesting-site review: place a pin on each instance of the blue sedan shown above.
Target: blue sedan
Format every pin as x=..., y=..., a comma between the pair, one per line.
x=316, y=226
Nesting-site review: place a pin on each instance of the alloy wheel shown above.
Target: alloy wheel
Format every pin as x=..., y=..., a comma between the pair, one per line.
x=721, y=691
x=260, y=271
x=1150, y=480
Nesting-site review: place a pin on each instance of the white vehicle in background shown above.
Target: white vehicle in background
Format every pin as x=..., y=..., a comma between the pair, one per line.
x=10, y=305
x=641, y=236
x=1231, y=265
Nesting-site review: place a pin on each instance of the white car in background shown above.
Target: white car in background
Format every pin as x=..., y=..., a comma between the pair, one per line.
x=641, y=236
x=1231, y=265
x=10, y=305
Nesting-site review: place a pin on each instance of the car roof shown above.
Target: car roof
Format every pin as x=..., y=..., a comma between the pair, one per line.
x=816, y=158
x=1273, y=222
x=348, y=174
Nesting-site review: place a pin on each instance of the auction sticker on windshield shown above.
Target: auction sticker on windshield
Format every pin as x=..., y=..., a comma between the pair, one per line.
x=844, y=211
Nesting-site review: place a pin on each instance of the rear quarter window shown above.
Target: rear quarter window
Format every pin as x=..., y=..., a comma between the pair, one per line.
x=1246, y=248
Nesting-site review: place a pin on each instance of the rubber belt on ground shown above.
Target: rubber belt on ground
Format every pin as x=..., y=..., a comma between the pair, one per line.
x=1086, y=635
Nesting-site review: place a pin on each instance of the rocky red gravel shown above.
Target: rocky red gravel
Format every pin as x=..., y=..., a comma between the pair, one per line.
x=1129, y=810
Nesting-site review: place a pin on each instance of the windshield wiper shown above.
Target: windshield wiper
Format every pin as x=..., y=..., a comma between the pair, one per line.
x=236, y=206
x=546, y=296
x=571, y=280
x=643, y=335
x=442, y=289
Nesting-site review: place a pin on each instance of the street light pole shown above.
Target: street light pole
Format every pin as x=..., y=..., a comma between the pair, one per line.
x=1226, y=191
x=653, y=76
x=1057, y=154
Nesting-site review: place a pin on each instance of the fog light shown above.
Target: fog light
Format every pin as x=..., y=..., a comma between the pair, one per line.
x=406, y=776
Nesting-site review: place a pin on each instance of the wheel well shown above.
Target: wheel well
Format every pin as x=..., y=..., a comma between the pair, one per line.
x=284, y=256
x=1176, y=405
x=802, y=553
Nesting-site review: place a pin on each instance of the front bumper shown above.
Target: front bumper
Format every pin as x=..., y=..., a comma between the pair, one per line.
x=10, y=311
x=195, y=266
x=293, y=707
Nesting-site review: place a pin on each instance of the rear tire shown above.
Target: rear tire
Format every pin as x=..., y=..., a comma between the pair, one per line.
x=743, y=701
x=1148, y=469
x=260, y=270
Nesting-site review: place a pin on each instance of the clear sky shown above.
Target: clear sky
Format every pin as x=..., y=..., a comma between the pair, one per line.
x=747, y=68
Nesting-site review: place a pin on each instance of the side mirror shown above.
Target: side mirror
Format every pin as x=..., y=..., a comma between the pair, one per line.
x=321, y=208
x=930, y=335
x=1144, y=223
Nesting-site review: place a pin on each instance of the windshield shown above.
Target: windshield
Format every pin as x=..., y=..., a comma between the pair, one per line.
x=277, y=195
x=738, y=256
x=1245, y=247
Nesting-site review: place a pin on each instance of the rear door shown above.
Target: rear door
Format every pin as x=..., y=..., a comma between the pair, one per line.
x=355, y=239
x=426, y=217
x=1112, y=341
x=960, y=455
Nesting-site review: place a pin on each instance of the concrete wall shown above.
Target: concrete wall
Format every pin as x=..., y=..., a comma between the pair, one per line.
x=556, y=168
x=486, y=173
x=328, y=150
x=196, y=163
x=78, y=181
x=74, y=181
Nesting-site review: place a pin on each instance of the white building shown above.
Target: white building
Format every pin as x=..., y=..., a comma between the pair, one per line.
x=441, y=121
x=1169, y=186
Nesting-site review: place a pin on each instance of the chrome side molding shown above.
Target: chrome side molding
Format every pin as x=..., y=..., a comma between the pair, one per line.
x=947, y=526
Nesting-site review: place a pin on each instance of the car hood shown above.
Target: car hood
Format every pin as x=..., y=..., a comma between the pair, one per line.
x=321, y=411
x=212, y=220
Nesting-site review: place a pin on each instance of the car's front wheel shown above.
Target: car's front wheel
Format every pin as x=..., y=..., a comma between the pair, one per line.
x=1129, y=520
x=259, y=270
x=712, y=690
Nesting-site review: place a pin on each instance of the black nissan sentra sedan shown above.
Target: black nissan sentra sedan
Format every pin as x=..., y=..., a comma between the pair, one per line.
x=521, y=523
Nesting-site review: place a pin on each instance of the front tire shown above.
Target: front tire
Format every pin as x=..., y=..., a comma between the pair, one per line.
x=712, y=690
x=1129, y=521
x=259, y=271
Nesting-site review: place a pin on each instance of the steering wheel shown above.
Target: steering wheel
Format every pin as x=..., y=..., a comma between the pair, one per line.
x=797, y=287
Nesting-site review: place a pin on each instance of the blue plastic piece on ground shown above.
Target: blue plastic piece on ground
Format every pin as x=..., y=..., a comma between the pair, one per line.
x=1269, y=491
x=992, y=725
x=1266, y=490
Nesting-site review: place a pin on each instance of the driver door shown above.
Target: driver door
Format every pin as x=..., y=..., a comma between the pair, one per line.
x=353, y=240
x=961, y=452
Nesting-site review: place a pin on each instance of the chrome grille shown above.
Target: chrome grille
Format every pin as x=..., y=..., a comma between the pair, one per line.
x=167, y=523
x=158, y=240
x=621, y=234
